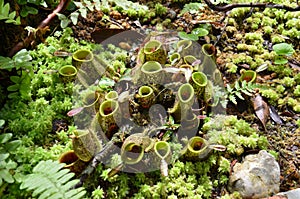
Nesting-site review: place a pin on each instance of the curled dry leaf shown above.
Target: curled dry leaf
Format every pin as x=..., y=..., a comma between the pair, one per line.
x=274, y=116
x=75, y=111
x=261, y=109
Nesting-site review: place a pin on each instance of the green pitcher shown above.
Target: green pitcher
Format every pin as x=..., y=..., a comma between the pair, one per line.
x=82, y=56
x=109, y=117
x=146, y=97
x=198, y=82
x=67, y=73
x=154, y=51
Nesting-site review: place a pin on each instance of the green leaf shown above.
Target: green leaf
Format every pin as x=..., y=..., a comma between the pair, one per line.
x=22, y=56
x=28, y=10
x=105, y=83
x=5, y=10
x=12, y=15
x=3, y=156
x=15, y=79
x=7, y=65
x=13, y=95
x=18, y=21
x=83, y=12
x=233, y=99
x=247, y=92
x=184, y=35
x=22, y=2
x=64, y=23
x=237, y=85
x=229, y=89
x=5, y=137
x=283, y=49
x=14, y=87
x=13, y=145
x=6, y=176
x=2, y=122
x=280, y=60
x=239, y=95
x=74, y=17
x=50, y=180
x=200, y=32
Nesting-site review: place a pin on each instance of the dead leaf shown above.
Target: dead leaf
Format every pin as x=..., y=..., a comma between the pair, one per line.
x=274, y=115
x=261, y=109
x=75, y=111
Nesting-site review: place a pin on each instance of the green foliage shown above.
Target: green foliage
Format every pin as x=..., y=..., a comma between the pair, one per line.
x=196, y=33
x=160, y=9
x=234, y=134
x=36, y=99
x=7, y=165
x=29, y=7
x=50, y=180
x=20, y=60
x=83, y=7
x=8, y=17
x=282, y=50
x=192, y=8
x=238, y=90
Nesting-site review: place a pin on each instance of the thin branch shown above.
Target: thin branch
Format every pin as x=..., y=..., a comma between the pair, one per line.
x=41, y=28
x=228, y=7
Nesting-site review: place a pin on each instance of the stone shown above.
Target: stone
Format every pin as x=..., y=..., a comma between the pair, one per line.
x=292, y=194
x=258, y=176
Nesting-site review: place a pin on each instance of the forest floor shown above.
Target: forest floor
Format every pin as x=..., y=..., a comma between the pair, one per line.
x=283, y=137
x=283, y=133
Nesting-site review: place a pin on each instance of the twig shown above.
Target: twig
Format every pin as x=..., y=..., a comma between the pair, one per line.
x=228, y=7
x=41, y=28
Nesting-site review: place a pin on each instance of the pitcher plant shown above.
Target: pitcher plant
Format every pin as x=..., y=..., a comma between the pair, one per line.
x=109, y=117
x=82, y=56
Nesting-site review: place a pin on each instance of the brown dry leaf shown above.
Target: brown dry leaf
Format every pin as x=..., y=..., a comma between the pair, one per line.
x=274, y=115
x=261, y=109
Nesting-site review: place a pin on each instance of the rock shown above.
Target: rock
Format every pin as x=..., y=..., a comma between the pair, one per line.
x=257, y=177
x=292, y=194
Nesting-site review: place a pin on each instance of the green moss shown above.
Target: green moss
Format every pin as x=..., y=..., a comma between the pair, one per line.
x=160, y=9
x=254, y=36
x=267, y=21
x=268, y=30
x=280, y=88
x=298, y=122
x=231, y=68
x=270, y=94
x=288, y=81
x=277, y=39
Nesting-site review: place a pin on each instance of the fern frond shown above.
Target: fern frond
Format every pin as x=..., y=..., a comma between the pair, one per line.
x=49, y=180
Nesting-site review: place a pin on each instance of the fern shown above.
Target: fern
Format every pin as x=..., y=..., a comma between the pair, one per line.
x=238, y=90
x=49, y=180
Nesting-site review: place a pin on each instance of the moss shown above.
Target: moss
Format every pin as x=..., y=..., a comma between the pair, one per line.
x=270, y=94
x=280, y=88
x=298, y=122
x=160, y=9
x=268, y=30
x=267, y=21
x=288, y=81
x=277, y=39
x=297, y=78
x=293, y=33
